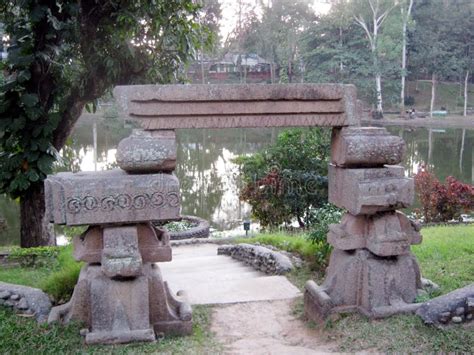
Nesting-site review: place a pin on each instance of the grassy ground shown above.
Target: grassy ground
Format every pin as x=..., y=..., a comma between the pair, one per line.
x=25, y=336
x=445, y=257
x=447, y=95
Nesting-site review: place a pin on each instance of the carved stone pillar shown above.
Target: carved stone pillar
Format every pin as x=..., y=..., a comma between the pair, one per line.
x=371, y=269
x=120, y=294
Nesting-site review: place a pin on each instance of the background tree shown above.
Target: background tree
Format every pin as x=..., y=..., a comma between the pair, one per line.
x=434, y=44
x=405, y=11
x=288, y=179
x=66, y=54
x=371, y=21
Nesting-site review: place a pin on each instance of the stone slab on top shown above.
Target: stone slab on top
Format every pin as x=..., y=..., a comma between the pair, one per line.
x=111, y=197
x=159, y=107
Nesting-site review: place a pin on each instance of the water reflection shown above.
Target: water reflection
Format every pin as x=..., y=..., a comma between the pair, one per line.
x=210, y=180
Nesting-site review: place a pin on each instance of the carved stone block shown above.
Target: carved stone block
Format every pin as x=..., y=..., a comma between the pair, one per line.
x=153, y=244
x=147, y=152
x=120, y=256
x=365, y=146
x=111, y=197
x=368, y=191
x=386, y=234
x=361, y=281
x=121, y=311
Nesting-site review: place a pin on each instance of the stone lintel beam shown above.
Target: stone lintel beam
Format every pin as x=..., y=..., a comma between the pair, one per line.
x=237, y=106
x=370, y=190
x=111, y=197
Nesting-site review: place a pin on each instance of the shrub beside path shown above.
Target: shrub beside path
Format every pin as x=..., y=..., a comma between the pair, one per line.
x=254, y=312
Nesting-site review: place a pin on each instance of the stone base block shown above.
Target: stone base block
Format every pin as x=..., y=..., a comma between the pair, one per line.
x=370, y=190
x=385, y=234
x=317, y=303
x=361, y=281
x=118, y=311
x=120, y=337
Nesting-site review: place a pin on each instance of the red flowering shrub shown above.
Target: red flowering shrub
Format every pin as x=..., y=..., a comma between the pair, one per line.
x=442, y=202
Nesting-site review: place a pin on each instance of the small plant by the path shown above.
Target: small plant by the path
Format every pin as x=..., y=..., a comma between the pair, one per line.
x=442, y=202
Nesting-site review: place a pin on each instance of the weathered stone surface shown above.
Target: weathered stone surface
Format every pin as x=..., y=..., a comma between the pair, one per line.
x=353, y=282
x=125, y=310
x=317, y=303
x=120, y=256
x=153, y=244
x=169, y=314
x=111, y=197
x=259, y=257
x=368, y=191
x=440, y=310
x=120, y=311
x=249, y=105
x=5, y=294
x=365, y=147
x=147, y=152
x=33, y=298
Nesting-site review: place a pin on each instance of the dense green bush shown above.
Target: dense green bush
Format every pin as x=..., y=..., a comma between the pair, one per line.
x=35, y=257
x=288, y=179
x=321, y=219
x=60, y=284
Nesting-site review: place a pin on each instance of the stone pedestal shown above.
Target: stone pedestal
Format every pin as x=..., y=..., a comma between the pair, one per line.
x=371, y=269
x=120, y=294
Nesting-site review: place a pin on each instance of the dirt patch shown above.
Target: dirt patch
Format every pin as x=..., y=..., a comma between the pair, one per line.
x=267, y=327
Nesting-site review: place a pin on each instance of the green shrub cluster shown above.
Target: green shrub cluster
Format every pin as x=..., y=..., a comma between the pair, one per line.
x=35, y=257
x=321, y=218
x=60, y=283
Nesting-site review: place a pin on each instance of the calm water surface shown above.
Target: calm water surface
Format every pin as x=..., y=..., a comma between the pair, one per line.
x=210, y=180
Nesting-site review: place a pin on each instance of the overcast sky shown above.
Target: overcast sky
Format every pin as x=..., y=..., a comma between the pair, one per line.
x=230, y=12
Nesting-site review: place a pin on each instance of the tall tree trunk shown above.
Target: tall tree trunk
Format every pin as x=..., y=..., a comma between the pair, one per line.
x=404, y=64
x=466, y=83
x=378, y=86
x=405, y=18
x=463, y=139
x=433, y=93
x=35, y=229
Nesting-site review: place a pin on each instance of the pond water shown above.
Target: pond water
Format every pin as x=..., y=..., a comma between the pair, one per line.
x=210, y=180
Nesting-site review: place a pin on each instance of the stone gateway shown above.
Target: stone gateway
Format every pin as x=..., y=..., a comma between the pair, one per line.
x=121, y=295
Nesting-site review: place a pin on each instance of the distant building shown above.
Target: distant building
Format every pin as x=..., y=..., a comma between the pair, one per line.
x=233, y=68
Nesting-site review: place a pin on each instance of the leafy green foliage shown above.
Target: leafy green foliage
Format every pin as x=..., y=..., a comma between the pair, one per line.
x=66, y=54
x=287, y=179
x=321, y=218
x=35, y=257
x=60, y=284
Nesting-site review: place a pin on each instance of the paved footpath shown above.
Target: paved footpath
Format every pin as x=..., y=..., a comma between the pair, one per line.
x=209, y=278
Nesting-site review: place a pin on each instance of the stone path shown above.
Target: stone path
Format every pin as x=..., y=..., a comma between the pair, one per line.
x=209, y=278
x=254, y=312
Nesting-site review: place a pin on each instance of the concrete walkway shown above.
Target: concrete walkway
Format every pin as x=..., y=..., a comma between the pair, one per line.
x=209, y=278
